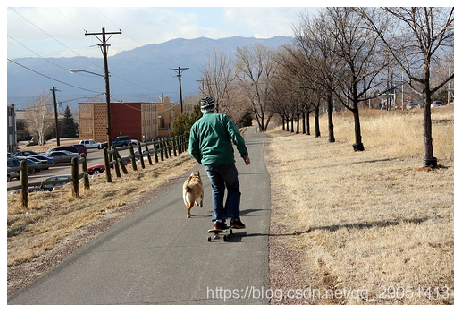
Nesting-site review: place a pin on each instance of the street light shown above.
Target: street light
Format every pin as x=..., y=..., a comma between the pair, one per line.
x=74, y=71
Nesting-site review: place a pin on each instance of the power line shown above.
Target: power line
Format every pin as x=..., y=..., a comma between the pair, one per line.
x=54, y=38
x=51, y=78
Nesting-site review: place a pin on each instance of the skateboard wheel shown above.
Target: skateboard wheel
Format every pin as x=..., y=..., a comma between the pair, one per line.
x=225, y=238
x=231, y=232
x=209, y=238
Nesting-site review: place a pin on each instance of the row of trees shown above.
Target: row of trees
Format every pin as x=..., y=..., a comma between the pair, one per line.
x=341, y=55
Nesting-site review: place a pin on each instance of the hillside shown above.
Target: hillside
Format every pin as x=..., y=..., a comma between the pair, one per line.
x=141, y=74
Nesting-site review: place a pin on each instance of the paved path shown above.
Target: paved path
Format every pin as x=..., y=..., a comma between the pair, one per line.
x=158, y=256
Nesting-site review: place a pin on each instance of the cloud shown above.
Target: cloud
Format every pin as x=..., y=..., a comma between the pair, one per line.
x=52, y=31
x=262, y=22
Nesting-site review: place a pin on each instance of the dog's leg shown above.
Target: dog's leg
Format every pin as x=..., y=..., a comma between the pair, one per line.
x=201, y=202
x=188, y=212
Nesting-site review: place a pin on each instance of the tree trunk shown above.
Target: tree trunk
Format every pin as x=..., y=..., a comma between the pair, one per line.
x=282, y=121
x=358, y=146
x=317, y=131
x=292, y=123
x=308, y=123
x=430, y=160
x=298, y=123
x=329, y=114
x=304, y=130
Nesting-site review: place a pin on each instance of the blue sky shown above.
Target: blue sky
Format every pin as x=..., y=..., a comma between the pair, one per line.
x=56, y=31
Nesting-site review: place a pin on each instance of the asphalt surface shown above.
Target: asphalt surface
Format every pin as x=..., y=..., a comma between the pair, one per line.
x=158, y=256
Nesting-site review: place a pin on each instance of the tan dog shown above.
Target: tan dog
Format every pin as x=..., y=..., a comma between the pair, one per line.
x=192, y=190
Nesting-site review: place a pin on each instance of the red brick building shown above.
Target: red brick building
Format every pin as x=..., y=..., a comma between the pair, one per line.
x=137, y=120
x=141, y=121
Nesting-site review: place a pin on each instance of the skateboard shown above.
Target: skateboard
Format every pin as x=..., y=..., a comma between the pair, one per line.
x=215, y=234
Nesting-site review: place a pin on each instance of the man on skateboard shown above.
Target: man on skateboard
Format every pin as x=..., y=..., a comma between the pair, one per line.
x=210, y=143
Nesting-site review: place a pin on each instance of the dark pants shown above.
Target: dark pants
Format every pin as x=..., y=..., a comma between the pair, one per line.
x=221, y=177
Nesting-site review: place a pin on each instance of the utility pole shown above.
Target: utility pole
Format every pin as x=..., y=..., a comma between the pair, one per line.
x=202, y=86
x=56, y=124
x=104, y=48
x=178, y=71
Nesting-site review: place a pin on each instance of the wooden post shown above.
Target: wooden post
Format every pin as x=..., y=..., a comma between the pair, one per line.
x=168, y=144
x=174, y=146
x=180, y=145
x=24, y=178
x=75, y=181
x=166, y=147
x=84, y=166
x=160, y=145
x=156, y=152
x=108, y=174
x=148, y=154
x=133, y=159
x=139, y=150
x=117, y=164
x=122, y=165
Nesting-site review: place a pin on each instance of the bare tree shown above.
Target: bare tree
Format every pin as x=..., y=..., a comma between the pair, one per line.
x=255, y=71
x=419, y=35
x=288, y=91
x=40, y=118
x=217, y=77
x=361, y=61
x=317, y=47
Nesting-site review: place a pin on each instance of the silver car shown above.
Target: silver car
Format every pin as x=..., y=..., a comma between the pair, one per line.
x=62, y=156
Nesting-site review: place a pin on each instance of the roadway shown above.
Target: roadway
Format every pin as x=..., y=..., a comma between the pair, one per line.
x=158, y=256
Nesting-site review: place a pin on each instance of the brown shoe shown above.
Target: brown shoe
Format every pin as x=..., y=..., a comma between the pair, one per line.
x=237, y=224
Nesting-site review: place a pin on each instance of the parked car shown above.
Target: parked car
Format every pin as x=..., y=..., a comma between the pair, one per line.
x=62, y=156
x=96, y=169
x=89, y=143
x=413, y=105
x=64, y=179
x=81, y=149
x=121, y=141
x=134, y=141
x=31, y=189
x=117, y=142
x=102, y=145
x=68, y=148
x=36, y=160
x=27, y=153
x=48, y=160
x=437, y=103
x=32, y=162
x=12, y=163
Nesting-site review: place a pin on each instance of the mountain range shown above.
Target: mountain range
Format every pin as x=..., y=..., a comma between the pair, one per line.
x=141, y=74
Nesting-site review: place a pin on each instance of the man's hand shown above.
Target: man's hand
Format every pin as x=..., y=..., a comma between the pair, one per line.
x=247, y=160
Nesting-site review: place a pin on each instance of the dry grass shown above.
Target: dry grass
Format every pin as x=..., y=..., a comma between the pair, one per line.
x=51, y=216
x=367, y=220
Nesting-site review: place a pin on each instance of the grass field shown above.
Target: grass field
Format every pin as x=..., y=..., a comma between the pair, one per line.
x=372, y=222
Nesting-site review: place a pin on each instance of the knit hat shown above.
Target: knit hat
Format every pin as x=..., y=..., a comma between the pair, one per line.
x=207, y=104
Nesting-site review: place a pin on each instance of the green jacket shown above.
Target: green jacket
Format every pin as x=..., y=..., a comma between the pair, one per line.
x=211, y=137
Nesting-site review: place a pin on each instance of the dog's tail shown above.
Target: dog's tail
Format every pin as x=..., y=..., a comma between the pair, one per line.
x=187, y=188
